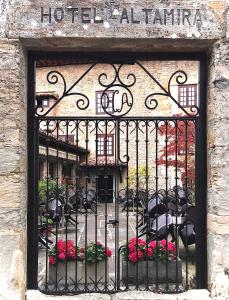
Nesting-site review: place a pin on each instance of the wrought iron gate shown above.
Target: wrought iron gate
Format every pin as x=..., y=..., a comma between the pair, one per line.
x=116, y=182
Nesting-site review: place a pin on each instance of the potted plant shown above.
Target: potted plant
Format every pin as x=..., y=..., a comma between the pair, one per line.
x=152, y=262
x=96, y=262
x=62, y=254
x=84, y=263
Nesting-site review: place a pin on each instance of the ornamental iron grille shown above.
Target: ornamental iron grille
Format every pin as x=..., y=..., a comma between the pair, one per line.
x=117, y=194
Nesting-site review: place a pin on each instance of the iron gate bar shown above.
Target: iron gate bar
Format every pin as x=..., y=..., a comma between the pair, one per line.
x=85, y=118
x=151, y=101
x=136, y=122
x=200, y=166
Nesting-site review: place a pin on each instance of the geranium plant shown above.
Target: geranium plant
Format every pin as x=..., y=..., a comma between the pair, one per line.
x=96, y=252
x=138, y=249
x=63, y=251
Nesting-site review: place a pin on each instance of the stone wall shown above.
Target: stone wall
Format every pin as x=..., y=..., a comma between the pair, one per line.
x=21, y=29
x=218, y=215
x=13, y=170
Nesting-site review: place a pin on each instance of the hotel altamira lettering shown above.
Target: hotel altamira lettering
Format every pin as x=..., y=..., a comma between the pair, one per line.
x=123, y=16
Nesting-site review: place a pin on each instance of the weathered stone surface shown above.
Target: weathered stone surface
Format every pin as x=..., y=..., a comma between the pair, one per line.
x=220, y=287
x=12, y=86
x=190, y=295
x=218, y=224
x=17, y=275
x=12, y=170
x=22, y=20
x=218, y=171
x=11, y=190
x=12, y=259
x=197, y=20
x=3, y=18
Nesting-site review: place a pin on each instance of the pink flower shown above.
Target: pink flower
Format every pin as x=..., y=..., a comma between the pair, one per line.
x=62, y=256
x=149, y=252
x=81, y=249
x=98, y=243
x=153, y=244
x=133, y=257
x=136, y=241
x=61, y=246
x=70, y=244
x=108, y=252
x=81, y=255
x=132, y=247
x=60, y=242
x=72, y=253
x=171, y=247
x=52, y=260
x=141, y=242
x=163, y=243
x=139, y=254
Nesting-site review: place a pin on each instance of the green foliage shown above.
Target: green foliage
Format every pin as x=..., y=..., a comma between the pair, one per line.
x=139, y=177
x=48, y=221
x=49, y=188
x=96, y=252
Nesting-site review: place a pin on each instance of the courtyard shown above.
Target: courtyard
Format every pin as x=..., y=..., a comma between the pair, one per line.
x=90, y=228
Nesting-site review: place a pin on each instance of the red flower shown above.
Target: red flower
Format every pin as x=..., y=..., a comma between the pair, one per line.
x=139, y=254
x=59, y=242
x=70, y=244
x=171, y=247
x=141, y=242
x=133, y=257
x=136, y=241
x=132, y=247
x=72, y=253
x=52, y=260
x=153, y=244
x=163, y=243
x=61, y=246
x=62, y=256
x=149, y=252
x=108, y=252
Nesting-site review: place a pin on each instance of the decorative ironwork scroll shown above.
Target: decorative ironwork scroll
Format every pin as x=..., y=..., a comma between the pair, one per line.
x=122, y=99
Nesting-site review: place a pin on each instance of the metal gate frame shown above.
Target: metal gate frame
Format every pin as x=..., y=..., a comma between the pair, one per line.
x=201, y=158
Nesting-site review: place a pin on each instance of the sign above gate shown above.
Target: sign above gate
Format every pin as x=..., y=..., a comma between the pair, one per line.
x=122, y=15
x=119, y=19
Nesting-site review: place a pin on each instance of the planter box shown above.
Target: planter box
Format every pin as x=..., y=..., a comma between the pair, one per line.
x=71, y=272
x=173, y=275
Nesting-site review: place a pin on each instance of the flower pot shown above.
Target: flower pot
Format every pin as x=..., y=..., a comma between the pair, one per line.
x=78, y=270
x=173, y=274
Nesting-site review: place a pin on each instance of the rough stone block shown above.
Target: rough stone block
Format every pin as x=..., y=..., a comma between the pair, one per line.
x=11, y=243
x=136, y=295
x=12, y=189
x=23, y=17
x=218, y=224
x=3, y=18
